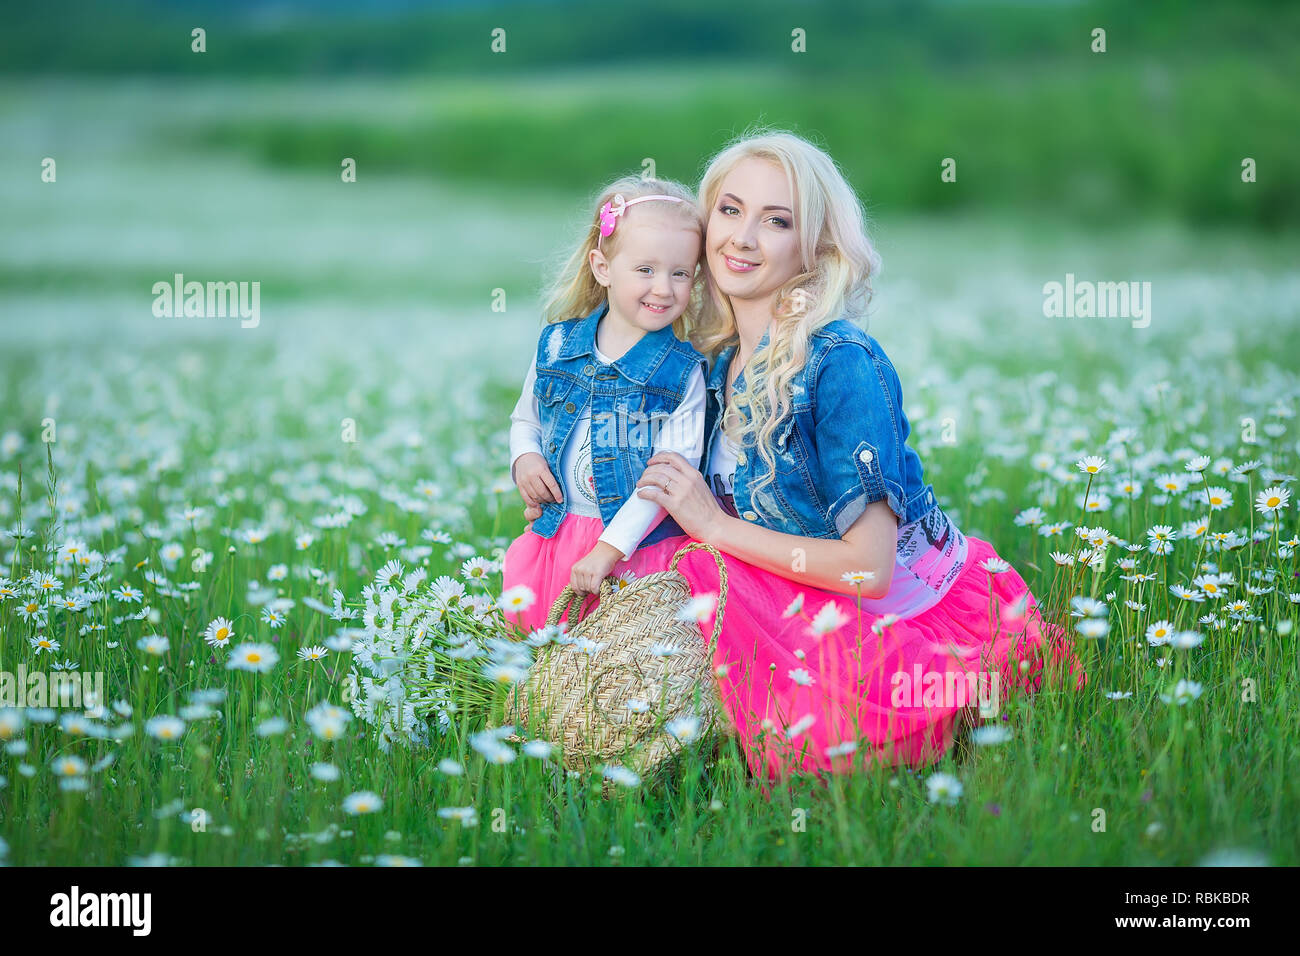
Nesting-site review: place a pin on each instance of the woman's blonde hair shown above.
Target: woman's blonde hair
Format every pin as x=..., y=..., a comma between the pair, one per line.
x=838, y=262
x=575, y=292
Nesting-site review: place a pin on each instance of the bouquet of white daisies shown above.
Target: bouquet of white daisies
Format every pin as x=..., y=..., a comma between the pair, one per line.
x=428, y=653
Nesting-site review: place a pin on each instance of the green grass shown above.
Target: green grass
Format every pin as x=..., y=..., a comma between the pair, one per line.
x=151, y=416
x=1212, y=774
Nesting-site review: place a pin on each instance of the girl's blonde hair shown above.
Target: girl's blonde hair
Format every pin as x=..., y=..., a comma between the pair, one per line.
x=575, y=292
x=838, y=262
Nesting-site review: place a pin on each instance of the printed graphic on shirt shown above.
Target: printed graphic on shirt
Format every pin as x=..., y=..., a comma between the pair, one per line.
x=723, y=484
x=722, y=472
x=722, y=462
x=728, y=503
x=582, y=477
x=931, y=554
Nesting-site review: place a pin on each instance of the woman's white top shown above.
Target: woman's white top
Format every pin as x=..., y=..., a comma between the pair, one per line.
x=682, y=432
x=721, y=475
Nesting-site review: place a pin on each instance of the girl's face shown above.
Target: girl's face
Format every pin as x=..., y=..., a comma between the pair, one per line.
x=751, y=244
x=649, y=278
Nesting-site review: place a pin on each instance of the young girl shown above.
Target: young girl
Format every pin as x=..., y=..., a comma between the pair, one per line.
x=610, y=384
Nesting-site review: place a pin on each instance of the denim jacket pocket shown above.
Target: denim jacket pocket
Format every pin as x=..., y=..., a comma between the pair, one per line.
x=551, y=387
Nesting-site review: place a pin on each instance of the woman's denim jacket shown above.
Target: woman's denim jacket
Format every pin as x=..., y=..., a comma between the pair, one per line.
x=630, y=400
x=843, y=446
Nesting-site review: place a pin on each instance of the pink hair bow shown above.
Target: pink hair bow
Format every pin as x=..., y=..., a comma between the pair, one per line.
x=616, y=207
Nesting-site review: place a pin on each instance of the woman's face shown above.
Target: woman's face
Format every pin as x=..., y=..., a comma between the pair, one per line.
x=751, y=244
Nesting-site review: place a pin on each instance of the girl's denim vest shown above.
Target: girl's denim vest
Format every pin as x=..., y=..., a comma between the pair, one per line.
x=842, y=447
x=630, y=400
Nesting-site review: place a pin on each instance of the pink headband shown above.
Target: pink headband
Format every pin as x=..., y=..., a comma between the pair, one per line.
x=610, y=211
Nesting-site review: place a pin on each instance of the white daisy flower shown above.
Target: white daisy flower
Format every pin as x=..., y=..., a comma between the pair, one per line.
x=1183, y=693
x=620, y=775
x=218, y=632
x=154, y=644
x=361, y=802
x=698, y=609
x=466, y=816
x=990, y=734
x=249, y=656
x=1160, y=633
x=538, y=749
x=1272, y=500
x=829, y=618
x=685, y=729
x=164, y=727
x=518, y=598
x=801, y=677
x=943, y=788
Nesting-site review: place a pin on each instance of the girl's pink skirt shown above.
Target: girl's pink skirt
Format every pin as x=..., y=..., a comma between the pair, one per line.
x=870, y=691
x=545, y=564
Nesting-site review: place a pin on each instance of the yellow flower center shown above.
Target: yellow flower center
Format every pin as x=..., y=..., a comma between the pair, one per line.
x=222, y=633
x=1273, y=501
x=254, y=657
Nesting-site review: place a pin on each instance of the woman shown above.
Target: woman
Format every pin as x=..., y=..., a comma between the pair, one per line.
x=860, y=623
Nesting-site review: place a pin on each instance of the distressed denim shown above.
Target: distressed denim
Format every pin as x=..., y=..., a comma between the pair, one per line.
x=630, y=400
x=842, y=446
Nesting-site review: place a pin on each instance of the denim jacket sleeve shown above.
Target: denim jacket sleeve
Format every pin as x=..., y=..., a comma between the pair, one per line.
x=856, y=398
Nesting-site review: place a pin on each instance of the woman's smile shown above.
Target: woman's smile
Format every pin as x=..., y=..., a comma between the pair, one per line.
x=739, y=265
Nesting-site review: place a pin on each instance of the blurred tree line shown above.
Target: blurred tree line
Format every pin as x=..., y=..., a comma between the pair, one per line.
x=1159, y=123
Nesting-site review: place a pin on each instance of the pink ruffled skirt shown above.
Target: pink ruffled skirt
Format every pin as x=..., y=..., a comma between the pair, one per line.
x=870, y=690
x=545, y=564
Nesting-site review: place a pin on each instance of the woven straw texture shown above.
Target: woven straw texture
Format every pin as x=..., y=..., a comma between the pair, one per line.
x=578, y=699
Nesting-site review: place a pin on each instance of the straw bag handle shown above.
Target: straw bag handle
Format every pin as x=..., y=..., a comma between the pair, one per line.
x=569, y=603
x=722, y=582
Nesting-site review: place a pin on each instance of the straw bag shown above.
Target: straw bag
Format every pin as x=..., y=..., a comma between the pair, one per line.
x=578, y=697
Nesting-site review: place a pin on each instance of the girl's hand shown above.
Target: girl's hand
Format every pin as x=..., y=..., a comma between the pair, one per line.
x=534, y=480
x=588, y=573
x=687, y=498
x=532, y=513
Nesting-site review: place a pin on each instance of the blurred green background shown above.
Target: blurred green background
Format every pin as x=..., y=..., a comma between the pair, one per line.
x=474, y=166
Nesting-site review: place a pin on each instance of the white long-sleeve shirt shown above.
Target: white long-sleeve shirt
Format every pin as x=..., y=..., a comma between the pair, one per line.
x=682, y=432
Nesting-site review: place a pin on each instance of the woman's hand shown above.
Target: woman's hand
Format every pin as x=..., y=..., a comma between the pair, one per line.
x=587, y=574
x=671, y=482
